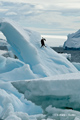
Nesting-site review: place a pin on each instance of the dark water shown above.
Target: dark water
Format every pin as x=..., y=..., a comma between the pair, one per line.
x=3, y=48
x=75, y=54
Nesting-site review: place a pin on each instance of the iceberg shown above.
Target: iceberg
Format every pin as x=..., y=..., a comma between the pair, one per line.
x=61, y=91
x=26, y=46
x=39, y=74
x=73, y=41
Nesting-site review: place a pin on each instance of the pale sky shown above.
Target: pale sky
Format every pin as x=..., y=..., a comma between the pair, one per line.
x=49, y=17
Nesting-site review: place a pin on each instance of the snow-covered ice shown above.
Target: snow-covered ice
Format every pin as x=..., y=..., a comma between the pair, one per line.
x=68, y=56
x=73, y=41
x=61, y=91
x=41, y=76
x=77, y=65
x=26, y=46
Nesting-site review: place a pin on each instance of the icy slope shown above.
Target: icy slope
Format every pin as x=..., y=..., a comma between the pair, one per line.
x=61, y=91
x=26, y=46
x=8, y=64
x=34, y=62
x=73, y=40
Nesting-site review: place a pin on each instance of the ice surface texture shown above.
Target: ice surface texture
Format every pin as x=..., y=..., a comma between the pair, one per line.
x=73, y=41
x=35, y=65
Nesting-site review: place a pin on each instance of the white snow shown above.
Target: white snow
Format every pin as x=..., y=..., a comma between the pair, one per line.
x=77, y=65
x=59, y=114
x=73, y=40
x=68, y=56
x=41, y=74
x=60, y=91
x=8, y=64
x=26, y=46
x=2, y=52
